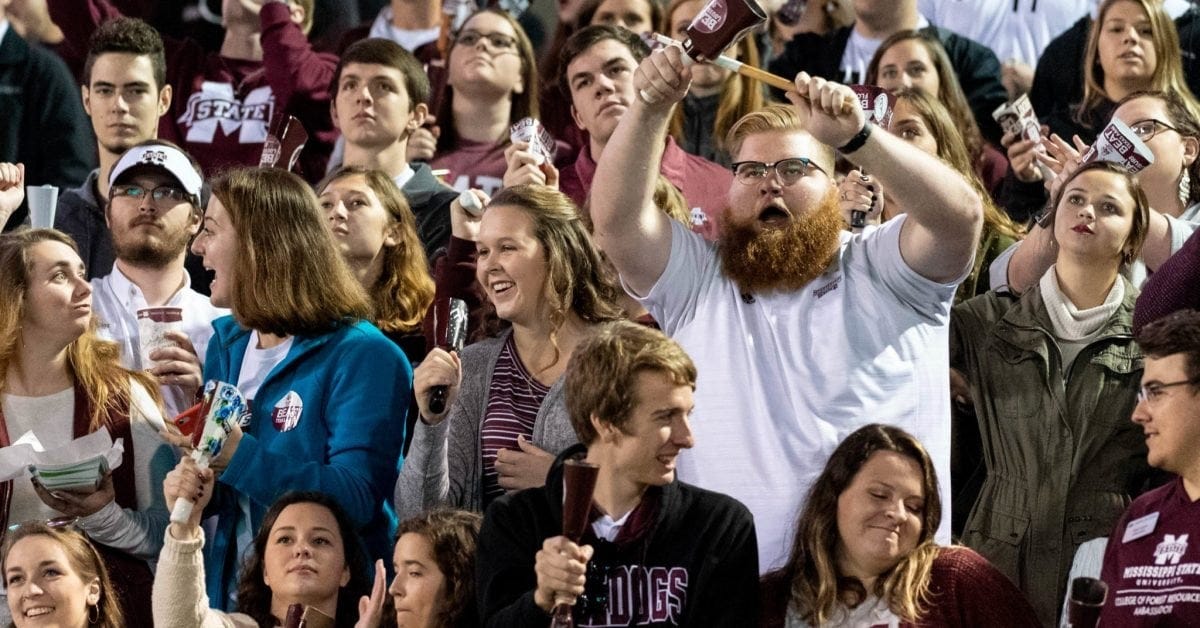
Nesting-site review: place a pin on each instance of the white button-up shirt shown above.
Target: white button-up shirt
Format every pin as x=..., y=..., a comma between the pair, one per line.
x=116, y=300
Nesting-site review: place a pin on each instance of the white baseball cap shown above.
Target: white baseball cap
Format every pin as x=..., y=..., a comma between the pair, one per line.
x=168, y=159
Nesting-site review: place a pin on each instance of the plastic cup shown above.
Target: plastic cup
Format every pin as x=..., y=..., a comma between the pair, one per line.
x=153, y=325
x=43, y=200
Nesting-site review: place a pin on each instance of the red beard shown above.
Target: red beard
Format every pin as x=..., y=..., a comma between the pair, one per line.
x=784, y=259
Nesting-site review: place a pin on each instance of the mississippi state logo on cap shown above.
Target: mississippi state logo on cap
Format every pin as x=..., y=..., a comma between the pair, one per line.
x=154, y=157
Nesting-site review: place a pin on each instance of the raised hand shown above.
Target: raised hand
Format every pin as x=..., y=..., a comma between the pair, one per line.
x=663, y=79
x=12, y=189
x=831, y=110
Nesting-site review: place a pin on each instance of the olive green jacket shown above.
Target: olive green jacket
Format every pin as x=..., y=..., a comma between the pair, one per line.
x=1063, y=458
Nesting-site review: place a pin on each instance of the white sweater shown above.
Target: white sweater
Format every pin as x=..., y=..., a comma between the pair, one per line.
x=179, y=598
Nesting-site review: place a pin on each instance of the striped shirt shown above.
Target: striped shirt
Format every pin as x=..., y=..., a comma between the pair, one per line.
x=514, y=399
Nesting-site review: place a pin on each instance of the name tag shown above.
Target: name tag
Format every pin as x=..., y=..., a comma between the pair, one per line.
x=1140, y=527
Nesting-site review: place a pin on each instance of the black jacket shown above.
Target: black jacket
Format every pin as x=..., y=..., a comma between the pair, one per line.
x=430, y=202
x=976, y=65
x=696, y=565
x=42, y=122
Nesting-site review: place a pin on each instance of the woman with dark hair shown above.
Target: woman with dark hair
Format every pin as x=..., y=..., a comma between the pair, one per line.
x=505, y=418
x=435, y=570
x=491, y=85
x=864, y=552
x=305, y=552
x=922, y=121
x=917, y=60
x=328, y=391
x=1054, y=376
x=54, y=576
x=375, y=231
x=1165, y=122
x=60, y=381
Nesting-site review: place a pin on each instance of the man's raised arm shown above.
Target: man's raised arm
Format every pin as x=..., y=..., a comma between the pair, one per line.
x=634, y=233
x=945, y=215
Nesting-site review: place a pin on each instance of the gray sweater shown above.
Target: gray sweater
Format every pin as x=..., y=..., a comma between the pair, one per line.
x=445, y=464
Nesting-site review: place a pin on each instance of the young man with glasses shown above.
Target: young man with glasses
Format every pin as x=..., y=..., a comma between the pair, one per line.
x=153, y=212
x=657, y=552
x=1152, y=561
x=598, y=79
x=124, y=93
x=804, y=332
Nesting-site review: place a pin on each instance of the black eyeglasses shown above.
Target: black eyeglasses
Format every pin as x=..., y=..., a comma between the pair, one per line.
x=1147, y=129
x=789, y=170
x=496, y=41
x=158, y=195
x=1154, y=391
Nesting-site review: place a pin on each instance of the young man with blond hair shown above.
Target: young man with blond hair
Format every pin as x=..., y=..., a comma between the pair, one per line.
x=657, y=552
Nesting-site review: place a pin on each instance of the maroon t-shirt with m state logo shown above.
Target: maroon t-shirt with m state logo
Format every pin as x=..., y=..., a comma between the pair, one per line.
x=1152, y=563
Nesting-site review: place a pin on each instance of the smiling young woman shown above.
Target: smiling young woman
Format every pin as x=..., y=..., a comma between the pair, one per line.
x=506, y=415
x=864, y=552
x=55, y=577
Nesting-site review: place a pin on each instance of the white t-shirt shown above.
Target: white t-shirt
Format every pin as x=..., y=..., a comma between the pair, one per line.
x=408, y=38
x=117, y=300
x=258, y=363
x=50, y=418
x=785, y=377
x=872, y=612
x=1013, y=29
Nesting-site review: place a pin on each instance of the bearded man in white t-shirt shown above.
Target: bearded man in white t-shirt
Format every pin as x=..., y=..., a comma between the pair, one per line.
x=801, y=332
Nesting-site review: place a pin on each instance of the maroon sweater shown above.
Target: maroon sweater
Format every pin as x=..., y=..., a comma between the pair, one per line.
x=1174, y=286
x=704, y=184
x=222, y=107
x=967, y=591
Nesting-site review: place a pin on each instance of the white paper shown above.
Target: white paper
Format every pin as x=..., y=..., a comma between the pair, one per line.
x=16, y=459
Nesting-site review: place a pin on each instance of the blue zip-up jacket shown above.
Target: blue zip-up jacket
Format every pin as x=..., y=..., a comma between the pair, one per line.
x=354, y=385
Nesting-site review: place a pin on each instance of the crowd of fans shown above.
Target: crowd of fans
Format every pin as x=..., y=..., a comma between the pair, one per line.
x=940, y=418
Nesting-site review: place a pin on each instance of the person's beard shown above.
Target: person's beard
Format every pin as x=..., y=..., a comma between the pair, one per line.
x=149, y=252
x=785, y=258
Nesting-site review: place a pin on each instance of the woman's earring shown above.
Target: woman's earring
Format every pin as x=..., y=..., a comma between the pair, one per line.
x=1185, y=187
x=94, y=614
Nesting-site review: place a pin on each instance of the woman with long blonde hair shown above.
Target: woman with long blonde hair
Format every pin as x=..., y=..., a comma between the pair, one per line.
x=718, y=98
x=54, y=569
x=864, y=552
x=921, y=120
x=505, y=417
x=60, y=381
x=375, y=231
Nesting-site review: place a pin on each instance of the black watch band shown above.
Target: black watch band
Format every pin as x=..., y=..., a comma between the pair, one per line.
x=858, y=140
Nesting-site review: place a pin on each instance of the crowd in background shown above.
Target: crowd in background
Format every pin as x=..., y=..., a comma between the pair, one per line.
x=834, y=368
